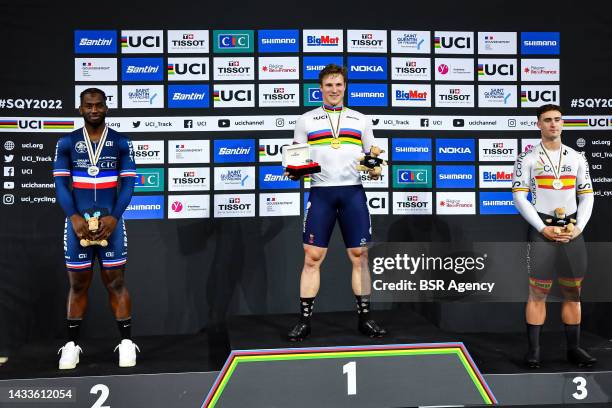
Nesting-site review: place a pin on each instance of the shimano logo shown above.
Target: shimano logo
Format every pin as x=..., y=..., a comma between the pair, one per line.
x=491, y=203
x=455, y=176
x=278, y=41
x=411, y=149
x=367, y=94
x=143, y=207
x=550, y=43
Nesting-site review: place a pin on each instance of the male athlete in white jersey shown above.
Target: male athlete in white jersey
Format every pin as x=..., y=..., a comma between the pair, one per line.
x=554, y=174
x=337, y=137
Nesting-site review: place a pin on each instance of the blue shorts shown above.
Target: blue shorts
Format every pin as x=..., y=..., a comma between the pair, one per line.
x=79, y=258
x=348, y=204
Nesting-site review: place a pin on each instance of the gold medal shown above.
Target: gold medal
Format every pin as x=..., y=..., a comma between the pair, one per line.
x=335, y=143
x=557, y=184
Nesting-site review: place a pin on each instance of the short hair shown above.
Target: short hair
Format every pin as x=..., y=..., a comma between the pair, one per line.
x=93, y=91
x=332, y=69
x=546, y=108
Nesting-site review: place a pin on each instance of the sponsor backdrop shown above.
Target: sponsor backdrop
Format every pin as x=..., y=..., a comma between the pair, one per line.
x=214, y=226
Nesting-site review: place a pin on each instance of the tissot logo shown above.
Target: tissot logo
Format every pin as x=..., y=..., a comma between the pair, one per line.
x=413, y=202
x=410, y=68
x=233, y=41
x=279, y=95
x=367, y=68
x=453, y=42
x=455, y=96
x=187, y=69
x=534, y=95
x=190, y=41
x=226, y=96
x=234, y=68
x=189, y=179
x=142, y=69
x=234, y=205
x=366, y=41
x=95, y=42
x=497, y=149
x=142, y=42
x=149, y=152
x=278, y=41
x=322, y=40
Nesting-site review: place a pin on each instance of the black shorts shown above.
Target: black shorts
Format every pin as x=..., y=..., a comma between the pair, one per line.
x=547, y=260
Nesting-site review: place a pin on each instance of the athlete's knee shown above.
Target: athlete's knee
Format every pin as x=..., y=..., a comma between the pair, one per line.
x=115, y=283
x=79, y=282
x=538, y=295
x=570, y=294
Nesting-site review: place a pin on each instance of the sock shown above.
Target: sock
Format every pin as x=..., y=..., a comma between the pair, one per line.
x=125, y=328
x=74, y=328
x=572, y=335
x=306, y=308
x=533, y=335
x=363, y=307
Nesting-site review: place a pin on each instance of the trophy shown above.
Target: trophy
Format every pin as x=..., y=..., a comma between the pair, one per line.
x=297, y=162
x=560, y=221
x=93, y=225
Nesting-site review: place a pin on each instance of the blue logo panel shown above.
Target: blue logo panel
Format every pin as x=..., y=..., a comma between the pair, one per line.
x=278, y=41
x=272, y=178
x=367, y=68
x=95, y=42
x=497, y=203
x=540, y=43
x=145, y=208
x=455, y=150
x=234, y=151
x=455, y=177
x=411, y=149
x=188, y=96
x=142, y=69
x=368, y=95
x=311, y=66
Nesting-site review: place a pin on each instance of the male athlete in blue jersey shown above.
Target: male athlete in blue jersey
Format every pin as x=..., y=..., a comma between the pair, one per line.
x=95, y=160
x=337, y=138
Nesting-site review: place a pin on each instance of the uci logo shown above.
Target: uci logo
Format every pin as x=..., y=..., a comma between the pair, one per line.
x=137, y=41
x=30, y=124
x=498, y=69
x=541, y=96
x=194, y=69
x=453, y=42
x=377, y=203
x=230, y=95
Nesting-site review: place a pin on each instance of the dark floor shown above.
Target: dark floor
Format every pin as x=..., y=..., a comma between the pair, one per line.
x=207, y=351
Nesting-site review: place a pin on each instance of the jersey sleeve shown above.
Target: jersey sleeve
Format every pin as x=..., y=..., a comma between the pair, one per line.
x=584, y=190
x=127, y=174
x=367, y=139
x=299, y=134
x=521, y=176
x=61, y=175
x=521, y=179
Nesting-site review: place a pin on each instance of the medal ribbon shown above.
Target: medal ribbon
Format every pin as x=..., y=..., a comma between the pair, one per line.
x=94, y=156
x=557, y=171
x=336, y=131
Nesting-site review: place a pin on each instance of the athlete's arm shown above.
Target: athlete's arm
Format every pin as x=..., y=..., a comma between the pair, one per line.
x=61, y=175
x=127, y=174
x=521, y=179
x=586, y=198
x=299, y=136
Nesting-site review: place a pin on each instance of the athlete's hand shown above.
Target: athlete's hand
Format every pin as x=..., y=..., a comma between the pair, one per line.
x=80, y=226
x=292, y=177
x=576, y=232
x=105, y=228
x=549, y=233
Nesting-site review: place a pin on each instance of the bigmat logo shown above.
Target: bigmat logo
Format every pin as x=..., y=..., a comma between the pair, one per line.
x=188, y=96
x=142, y=69
x=234, y=205
x=455, y=177
x=146, y=207
x=366, y=41
x=188, y=151
x=497, y=43
x=495, y=176
x=142, y=42
x=273, y=178
x=497, y=203
x=497, y=150
x=149, y=179
x=411, y=176
x=533, y=96
x=234, y=68
x=410, y=69
x=497, y=69
x=411, y=149
x=187, y=69
x=189, y=206
x=454, y=42
x=540, y=43
x=411, y=95
x=279, y=204
x=412, y=202
x=235, y=178
x=112, y=99
x=279, y=95
x=278, y=41
x=231, y=96
x=378, y=202
x=367, y=95
x=497, y=96
x=279, y=68
x=149, y=151
x=188, y=178
x=234, y=150
x=322, y=41
x=233, y=41
x=142, y=96
x=271, y=150
x=540, y=70
x=311, y=66
x=460, y=96
x=410, y=42
x=367, y=68
x=188, y=42
x=95, y=42
x=455, y=203
x=454, y=69
x=312, y=95
x=455, y=150
x=95, y=69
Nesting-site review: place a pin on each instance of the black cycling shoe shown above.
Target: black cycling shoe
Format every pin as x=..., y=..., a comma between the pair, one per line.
x=299, y=332
x=532, y=358
x=580, y=357
x=371, y=329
